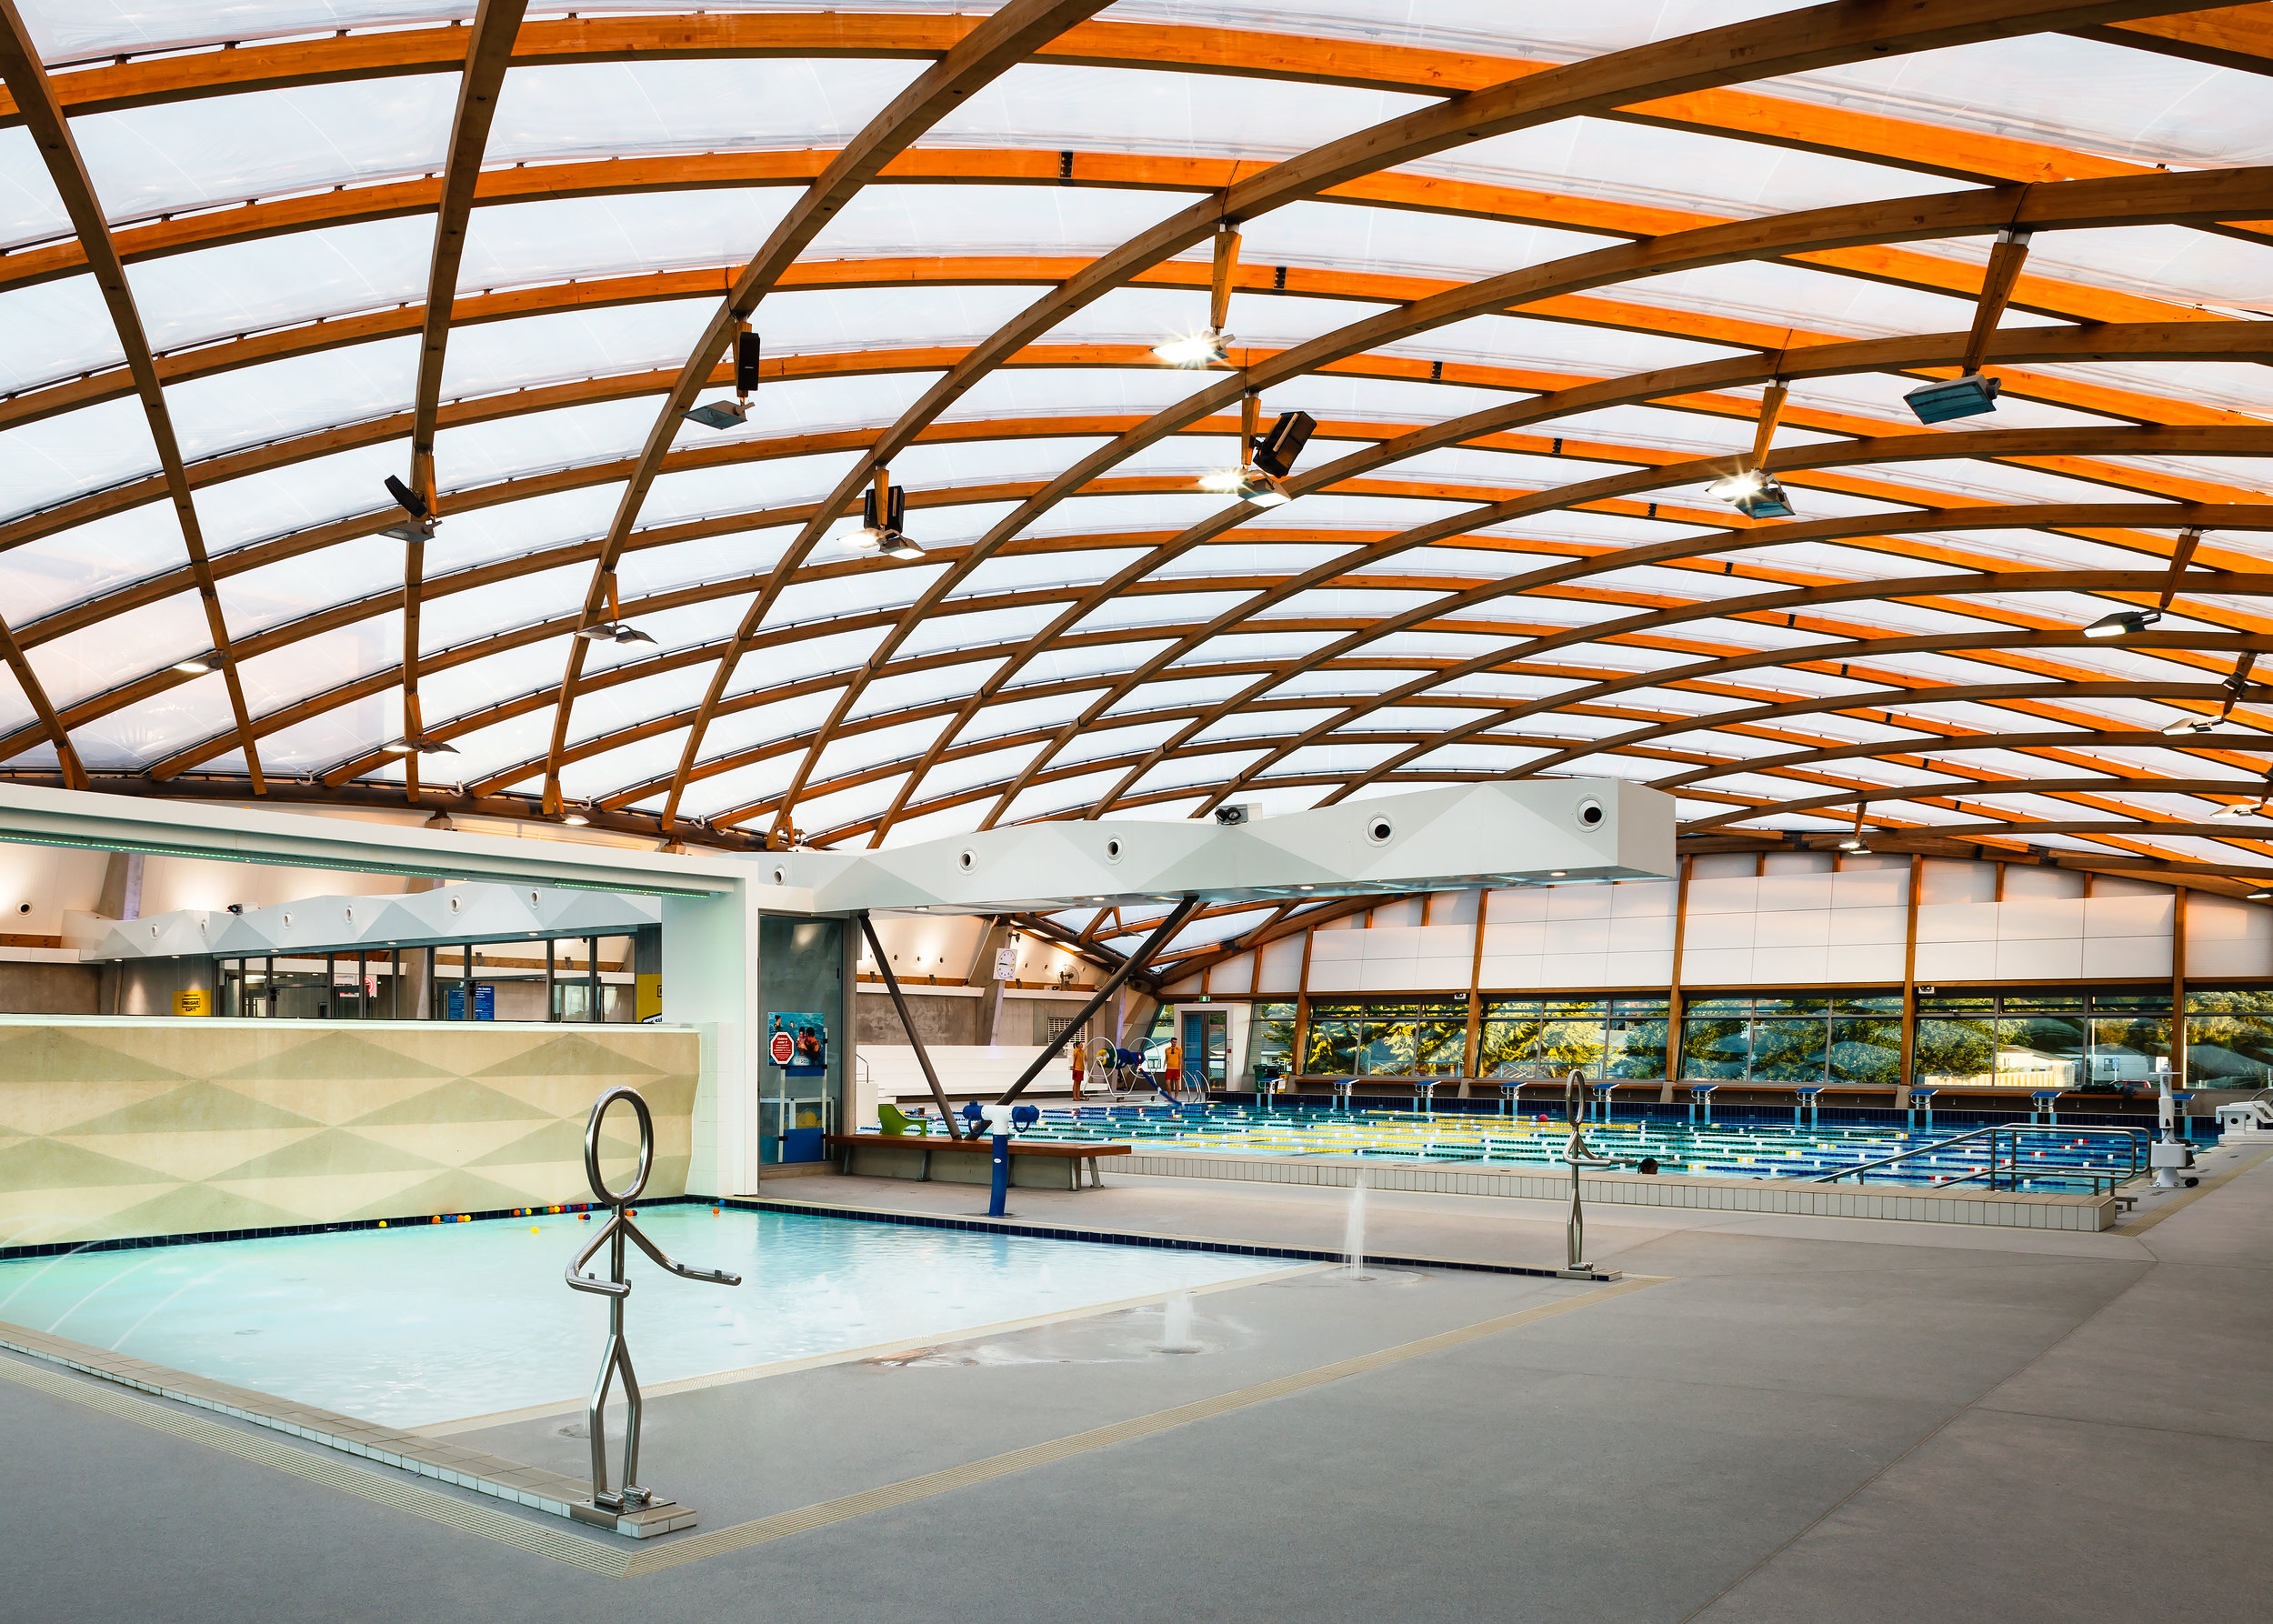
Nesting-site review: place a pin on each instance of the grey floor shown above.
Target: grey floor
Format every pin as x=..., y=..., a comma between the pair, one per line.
x=1809, y=1420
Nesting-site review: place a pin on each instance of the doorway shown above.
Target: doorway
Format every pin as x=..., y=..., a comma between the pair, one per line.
x=1206, y=1047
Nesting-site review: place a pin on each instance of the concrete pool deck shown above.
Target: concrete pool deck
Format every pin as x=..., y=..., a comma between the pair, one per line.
x=1802, y=1419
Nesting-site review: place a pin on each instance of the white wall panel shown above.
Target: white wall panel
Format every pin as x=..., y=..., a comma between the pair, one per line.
x=1872, y=962
x=2039, y=959
x=2131, y=957
x=1282, y=965
x=1956, y=960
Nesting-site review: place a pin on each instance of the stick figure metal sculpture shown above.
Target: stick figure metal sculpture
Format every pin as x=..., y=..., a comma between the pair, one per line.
x=1578, y=1154
x=631, y=1499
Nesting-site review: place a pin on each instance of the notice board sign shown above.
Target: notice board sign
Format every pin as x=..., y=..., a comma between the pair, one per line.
x=798, y=1042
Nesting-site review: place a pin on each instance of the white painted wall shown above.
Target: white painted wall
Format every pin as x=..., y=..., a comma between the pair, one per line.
x=1803, y=922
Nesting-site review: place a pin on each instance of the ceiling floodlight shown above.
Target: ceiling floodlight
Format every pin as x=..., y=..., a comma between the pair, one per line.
x=2241, y=810
x=419, y=744
x=2123, y=623
x=2261, y=896
x=1967, y=396
x=1203, y=348
x=1211, y=346
x=719, y=413
x=421, y=523
x=1753, y=494
x=2190, y=724
x=1261, y=479
x=735, y=413
x=1970, y=394
x=1750, y=490
x=615, y=628
x=198, y=665
x=882, y=511
x=576, y=820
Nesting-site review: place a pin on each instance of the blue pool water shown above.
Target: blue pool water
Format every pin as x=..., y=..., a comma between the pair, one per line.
x=412, y=1326
x=2054, y=1160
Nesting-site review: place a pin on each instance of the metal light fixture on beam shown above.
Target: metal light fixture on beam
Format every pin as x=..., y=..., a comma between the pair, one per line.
x=1212, y=346
x=1970, y=394
x=421, y=521
x=2237, y=687
x=1751, y=490
x=199, y=665
x=615, y=628
x=1267, y=458
x=2123, y=623
x=883, y=513
x=418, y=745
x=735, y=413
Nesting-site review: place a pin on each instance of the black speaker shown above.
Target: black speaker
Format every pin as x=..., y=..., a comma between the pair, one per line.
x=895, y=521
x=1274, y=451
x=746, y=354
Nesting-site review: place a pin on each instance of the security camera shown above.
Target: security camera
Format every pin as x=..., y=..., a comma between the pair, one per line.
x=1235, y=812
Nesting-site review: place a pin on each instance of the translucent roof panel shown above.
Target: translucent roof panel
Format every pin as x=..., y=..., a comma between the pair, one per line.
x=1537, y=364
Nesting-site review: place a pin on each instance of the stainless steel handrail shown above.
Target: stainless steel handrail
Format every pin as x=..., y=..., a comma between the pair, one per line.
x=2133, y=1136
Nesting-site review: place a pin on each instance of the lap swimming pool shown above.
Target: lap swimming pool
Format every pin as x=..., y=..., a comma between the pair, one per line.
x=421, y=1324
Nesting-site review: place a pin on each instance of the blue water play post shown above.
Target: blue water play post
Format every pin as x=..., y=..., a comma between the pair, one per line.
x=998, y=1118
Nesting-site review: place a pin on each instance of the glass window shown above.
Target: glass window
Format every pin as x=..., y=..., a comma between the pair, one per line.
x=1867, y=1048
x=2040, y=1051
x=2229, y=1038
x=1635, y=1042
x=1510, y=1036
x=1716, y=1048
x=1788, y=1050
x=1271, y=1040
x=1960, y=1052
x=1571, y=1038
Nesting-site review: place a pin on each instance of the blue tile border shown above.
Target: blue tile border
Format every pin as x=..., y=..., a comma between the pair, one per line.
x=1172, y=1243
x=409, y=1221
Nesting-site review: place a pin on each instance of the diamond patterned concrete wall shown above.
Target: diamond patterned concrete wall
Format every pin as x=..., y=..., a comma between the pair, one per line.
x=112, y=1128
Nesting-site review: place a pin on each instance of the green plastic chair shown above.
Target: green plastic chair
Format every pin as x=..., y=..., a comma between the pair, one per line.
x=895, y=1121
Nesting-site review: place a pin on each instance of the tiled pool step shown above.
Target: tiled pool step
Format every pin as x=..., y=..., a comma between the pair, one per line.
x=493, y=1474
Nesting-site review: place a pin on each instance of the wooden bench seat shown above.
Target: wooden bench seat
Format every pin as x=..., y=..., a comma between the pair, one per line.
x=1034, y=1164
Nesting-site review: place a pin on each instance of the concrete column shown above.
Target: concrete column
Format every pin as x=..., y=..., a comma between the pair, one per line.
x=996, y=938
x=710, y=983
x=122, y=886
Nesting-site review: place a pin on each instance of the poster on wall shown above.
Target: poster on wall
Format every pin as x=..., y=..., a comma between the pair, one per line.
x=798, y=1042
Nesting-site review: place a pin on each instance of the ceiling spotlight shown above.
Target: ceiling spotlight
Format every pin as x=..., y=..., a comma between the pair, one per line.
x=2190, y=724
x=198, y=665
x=1967, y=396
x=613, y=631
x=719, y=413
x=421, y=524
x=1753, y=494
x=2261, y=896
x=735, y=413
x=2241, y=810
x=615, y=628
x=882, y=513
x=575, y=820
x=1852, y=844
x=1261, y=479
x=420, y=745
x=2122, y=622
x=1203, y=348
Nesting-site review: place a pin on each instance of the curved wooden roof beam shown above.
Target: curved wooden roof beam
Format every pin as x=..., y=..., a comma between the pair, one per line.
x=1976, y=790
x=487, y=53
x=988, y=51
x=1934, y=747
x=1838, y=653
x=1695, y=674
x=1866, y=528
x=1795, y=41
x=152, y=79
x=43, y=115
x=1460, y=431
x=2142, y=200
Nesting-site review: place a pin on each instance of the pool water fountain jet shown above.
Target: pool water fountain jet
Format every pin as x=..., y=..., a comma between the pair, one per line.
x=1354, y=1233
x=1175, y=1325
x=641, y=1509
